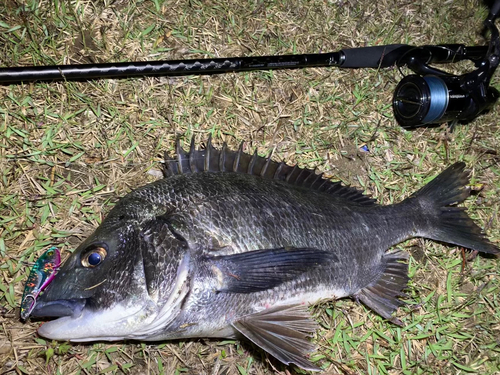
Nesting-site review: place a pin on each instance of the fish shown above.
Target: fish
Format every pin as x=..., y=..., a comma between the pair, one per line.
x=41, y=275
x=236, y=245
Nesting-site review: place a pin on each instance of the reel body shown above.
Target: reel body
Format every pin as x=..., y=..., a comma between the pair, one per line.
x=428, y=100
x=433, y=96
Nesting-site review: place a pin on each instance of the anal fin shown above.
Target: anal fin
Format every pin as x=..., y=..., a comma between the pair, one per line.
x=382, y=295
x=281, y=331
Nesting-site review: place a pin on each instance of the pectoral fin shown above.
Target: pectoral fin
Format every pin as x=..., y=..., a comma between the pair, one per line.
x=281, y=331
x=259, y=270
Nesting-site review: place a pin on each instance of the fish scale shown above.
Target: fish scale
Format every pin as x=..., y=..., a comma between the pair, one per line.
x=231, y=244
x=239, y=209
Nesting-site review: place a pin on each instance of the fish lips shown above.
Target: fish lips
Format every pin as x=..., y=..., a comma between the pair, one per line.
x=59, y=308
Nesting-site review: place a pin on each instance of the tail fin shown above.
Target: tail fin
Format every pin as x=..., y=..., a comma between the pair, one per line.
x=449, y=223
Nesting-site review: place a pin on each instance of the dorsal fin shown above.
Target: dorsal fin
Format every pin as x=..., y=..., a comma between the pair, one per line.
x=211, y=159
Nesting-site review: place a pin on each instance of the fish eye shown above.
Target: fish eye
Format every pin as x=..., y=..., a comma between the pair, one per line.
x=94, y=256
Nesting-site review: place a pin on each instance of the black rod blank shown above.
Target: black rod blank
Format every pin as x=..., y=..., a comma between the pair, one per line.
x=364, y=57
x=165, y=68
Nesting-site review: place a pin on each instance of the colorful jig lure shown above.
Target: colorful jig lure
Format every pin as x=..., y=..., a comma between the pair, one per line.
x=42, y=273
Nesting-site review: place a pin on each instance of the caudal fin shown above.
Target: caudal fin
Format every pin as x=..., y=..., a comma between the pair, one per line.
x=447, y=222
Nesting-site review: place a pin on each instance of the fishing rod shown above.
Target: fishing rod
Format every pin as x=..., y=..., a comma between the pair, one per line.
x=430, y=96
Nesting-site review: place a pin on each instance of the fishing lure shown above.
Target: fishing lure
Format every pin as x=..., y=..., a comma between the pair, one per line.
x=42, y=273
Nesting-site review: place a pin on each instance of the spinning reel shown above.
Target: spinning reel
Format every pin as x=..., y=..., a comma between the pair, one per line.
x=432, y=96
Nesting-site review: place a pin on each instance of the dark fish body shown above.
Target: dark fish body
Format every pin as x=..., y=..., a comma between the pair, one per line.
x=230, y=244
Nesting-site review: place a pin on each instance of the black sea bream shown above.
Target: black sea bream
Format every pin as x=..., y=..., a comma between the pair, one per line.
x=234, y=245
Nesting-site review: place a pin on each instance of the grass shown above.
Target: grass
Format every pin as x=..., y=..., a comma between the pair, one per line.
x=69, y=150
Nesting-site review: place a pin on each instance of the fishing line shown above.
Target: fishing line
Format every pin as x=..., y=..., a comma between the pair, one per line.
x=439, y=100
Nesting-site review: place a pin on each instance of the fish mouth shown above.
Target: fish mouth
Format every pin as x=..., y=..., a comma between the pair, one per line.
x=59, y=308
x=118, y=322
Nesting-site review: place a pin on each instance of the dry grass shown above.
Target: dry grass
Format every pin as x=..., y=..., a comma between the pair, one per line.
x=68, y=151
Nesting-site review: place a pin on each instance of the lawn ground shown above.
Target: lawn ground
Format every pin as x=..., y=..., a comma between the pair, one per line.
x=69, y=150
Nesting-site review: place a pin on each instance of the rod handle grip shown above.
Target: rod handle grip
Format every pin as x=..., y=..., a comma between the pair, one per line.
x=373, y=57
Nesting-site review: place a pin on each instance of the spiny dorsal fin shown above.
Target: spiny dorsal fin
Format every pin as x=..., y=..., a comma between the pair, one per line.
x=192, y=156
x=266, y=165
x=211, y=159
